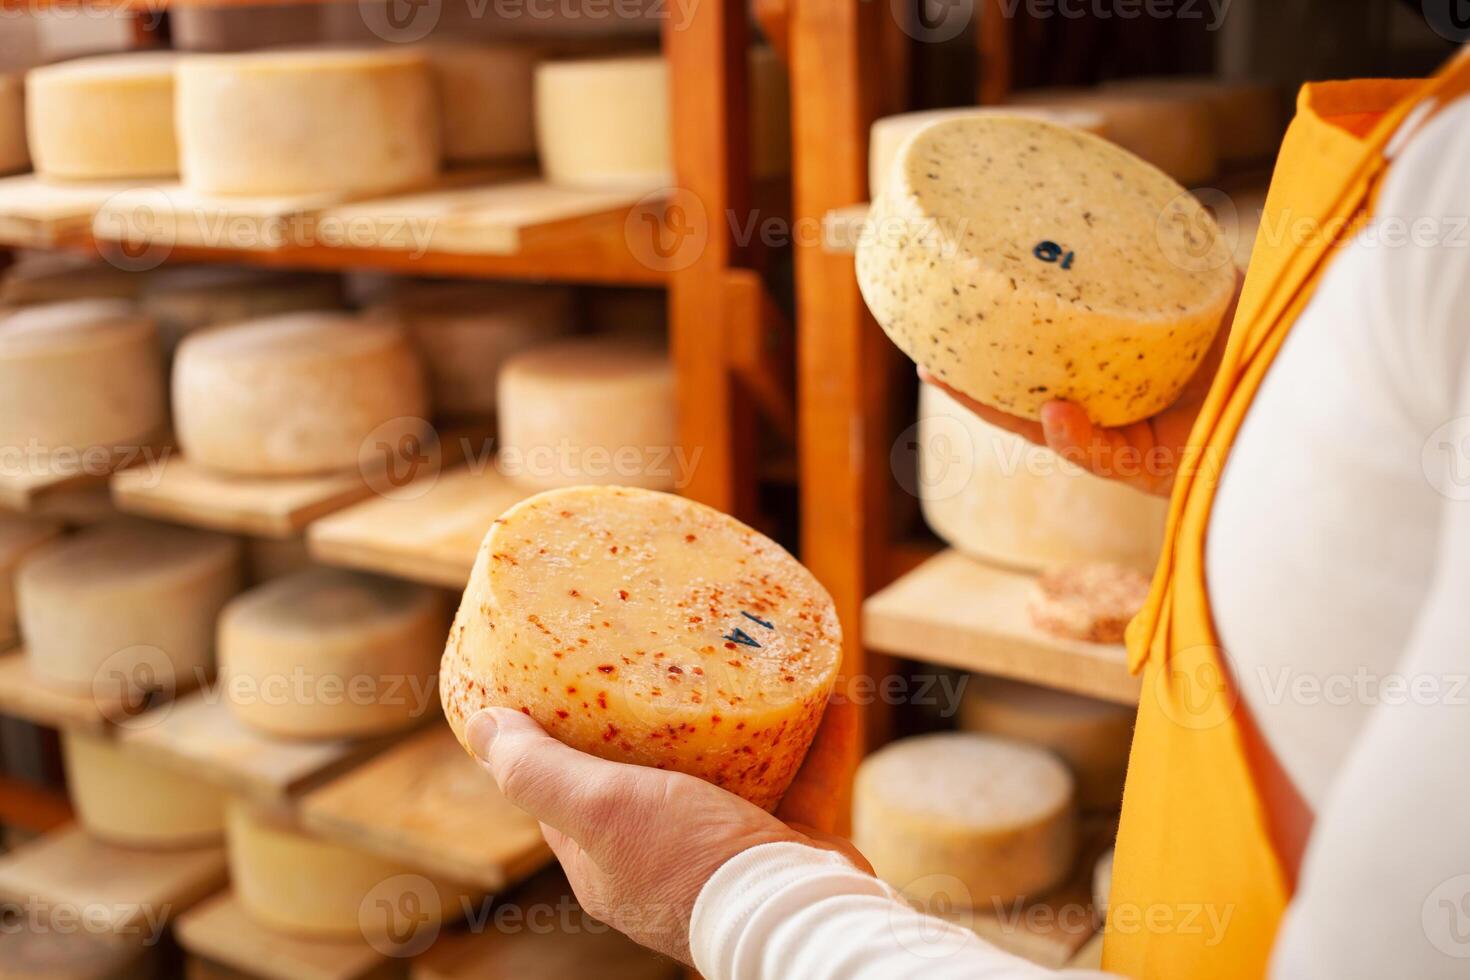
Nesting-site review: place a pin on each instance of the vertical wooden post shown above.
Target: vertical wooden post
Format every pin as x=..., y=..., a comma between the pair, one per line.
x=993, y=36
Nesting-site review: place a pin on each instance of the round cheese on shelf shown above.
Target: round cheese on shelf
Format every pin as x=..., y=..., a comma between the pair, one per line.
x=1089, y=601
x=125, y=596
x=306, y=121
x=1092, y=737
x=965, y=818
x=50, y=277
x=1247, y=116
x=590, y=411
x=1001, y=499
x=465, y=332
x=183, y=299
x=20, y=537
x=14, y=154
x=124, y=800
x=1020, y=261
x=604, y=122
x=296, y=394
x=646, y=628
x=484, y=94
x=303, y=886
x=101, y=118
x=79, y=375
x=331, y=653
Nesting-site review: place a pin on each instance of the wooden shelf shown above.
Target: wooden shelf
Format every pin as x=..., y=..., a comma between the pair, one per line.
x=426, y=803
x=32, y=808
x=32, y=950
x=220, y=931
x=956, y=611
x=29, y=490
x=23, y=695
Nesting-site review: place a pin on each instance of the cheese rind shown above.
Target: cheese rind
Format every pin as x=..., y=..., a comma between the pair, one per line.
x=107, y=117
x=604, y=122
x=965, y=818
x=20, y=537
x=296, y=394
x=484, y=97
x=1088, y=601
x=331, y=653
x=1021, y=262
x=646, y=628
x=126, y=801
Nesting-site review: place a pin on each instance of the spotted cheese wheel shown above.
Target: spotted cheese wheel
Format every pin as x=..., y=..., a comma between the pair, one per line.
x=646, y=628
x=1022, y=261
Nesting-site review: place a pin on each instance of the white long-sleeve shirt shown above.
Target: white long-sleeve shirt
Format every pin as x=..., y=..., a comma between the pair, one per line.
x=1338, y=563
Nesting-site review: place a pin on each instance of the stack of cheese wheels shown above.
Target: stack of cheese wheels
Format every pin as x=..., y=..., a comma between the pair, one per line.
x=1020, y=261
x=14, y=154
x=589, y=410
x=126, y=597
x=1247, y=116
x=296, y=394
x=123, y=800
x=888, y=133
x=102, y=118
x=465, y=332
x=1092, y=737
x=484, y=93
x=329, y=653
x=1175, y=132
x=306, y=121
x=965, y=819
x=79, y=375
x=20, y=537
x=646, y=628
x=50, y=277
x=181, y=300
x=1001, y=499
x=303, y=886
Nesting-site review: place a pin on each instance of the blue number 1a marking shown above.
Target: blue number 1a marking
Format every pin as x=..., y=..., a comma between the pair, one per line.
x=756, y=619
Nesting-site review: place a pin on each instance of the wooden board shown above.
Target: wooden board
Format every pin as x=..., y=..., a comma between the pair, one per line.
x=122, y=890
x=220, y=931
x=959, y=612
x=431, y=537
x=426, y=803
x=542, y=953
x=27, y=487
x=39, y=213
x=31, y=950
x=23, y=696
x=842, y=227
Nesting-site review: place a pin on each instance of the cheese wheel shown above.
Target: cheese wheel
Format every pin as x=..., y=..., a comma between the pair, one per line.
x=14, y=154
x=79, y=375
x=181, y=300
x=589, y=411
x=302, y=886
x=306, y=121
x=123, y=800
x=107, y=117
x=295, y=394
x=50, y=277
x=268, y=558
x=1004, y=500
x=646, y=628
x=484, y=96
x=78, y=507
x=1021, y=261
x=965, y=818
x=125, y=594
x=20, y=537
x=888, y=133
x=1092, y=737
x=329, y=653
x=1090, y=601
x=604, y=122
x=465, y=332
x=1175, y=132
x=1247, y=116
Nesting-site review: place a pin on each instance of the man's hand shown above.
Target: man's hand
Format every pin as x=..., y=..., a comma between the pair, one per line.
x=637, y=843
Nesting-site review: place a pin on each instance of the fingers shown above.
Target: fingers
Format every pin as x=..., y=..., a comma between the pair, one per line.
x=1025, y=428
x=1130, y=454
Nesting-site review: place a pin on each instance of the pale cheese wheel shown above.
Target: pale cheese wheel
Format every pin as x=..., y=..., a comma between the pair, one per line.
x=646, y=628
x=1001, y=499
x=296, y=394
x=964, y=818
x=1092, y=737
x=331, y=653
x=604, y=122
x=590, y=411
x=51, y=277
x=303, y=886
x=1247, y=116
x=124, y=800
x=79, y=375
x=888, y=133
x=101, y=118
x=306, y=121
x=1020, y=262
x=466, y=331
x=15, y=156
x=128, y=598
x=269, y=558
x=20, y=537
x=182, y=300
x=484, y=95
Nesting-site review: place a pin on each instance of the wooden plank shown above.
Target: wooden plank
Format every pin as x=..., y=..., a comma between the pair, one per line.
x=23, y=695
x=28, y=484
x=30, y=807
x=430, y=537
x=37, y=950
x=220, y=931
x=959, y=612
x=38, y=213
x=428, y=804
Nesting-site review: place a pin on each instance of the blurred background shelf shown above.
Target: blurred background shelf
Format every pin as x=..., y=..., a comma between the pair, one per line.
x=219, y=931
x=22, y=695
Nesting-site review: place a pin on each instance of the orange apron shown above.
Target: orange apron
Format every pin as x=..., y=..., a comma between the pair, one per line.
x=1212, y=830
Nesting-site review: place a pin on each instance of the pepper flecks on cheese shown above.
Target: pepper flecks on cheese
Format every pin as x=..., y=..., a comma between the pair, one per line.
x=646, y=628
x=1022, y=262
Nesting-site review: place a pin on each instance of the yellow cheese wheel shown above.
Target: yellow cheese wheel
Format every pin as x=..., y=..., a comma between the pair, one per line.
x=51, y=277
x=126, y=801
x=965, y=818
x=589, y=411
x=1021, y=261
x=647, y=628
x=328, y=653
x=106, y=117
x=124, y=595
x=305, y=121
x=79, y=375
x=484, y=95
x=605, y=122
x=14, y=154
x=1092, y=737
x=295, y=394
x=20, y=537
x=182, y=299
x=1248, y=116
